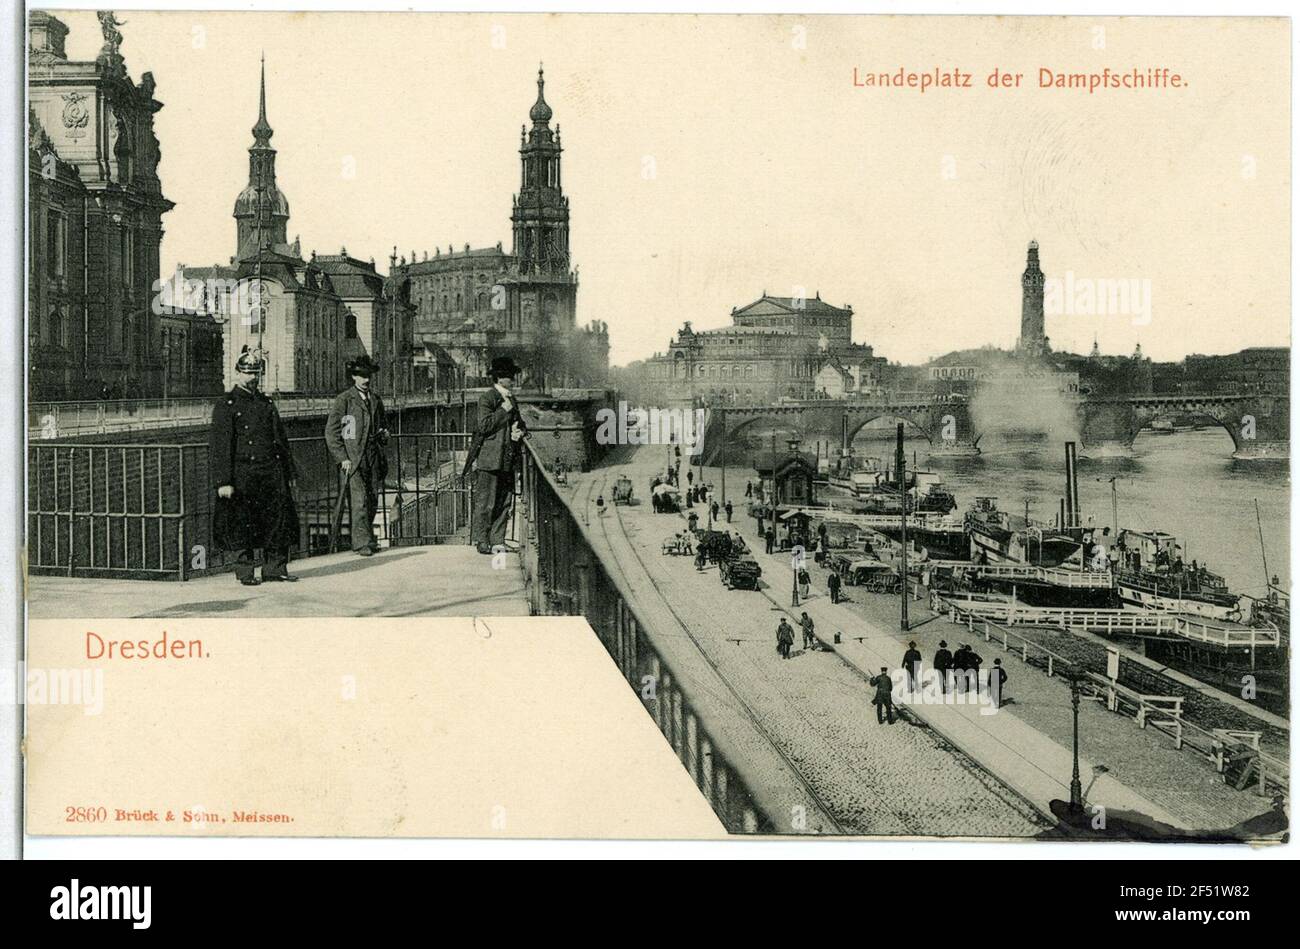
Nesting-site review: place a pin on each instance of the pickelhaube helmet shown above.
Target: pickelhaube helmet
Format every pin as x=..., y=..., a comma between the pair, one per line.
x=250, y=360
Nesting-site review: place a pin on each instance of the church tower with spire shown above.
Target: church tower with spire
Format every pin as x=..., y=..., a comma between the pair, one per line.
x=540, y=216
x=1033, y=335
x=261, y=210
x=473, y=304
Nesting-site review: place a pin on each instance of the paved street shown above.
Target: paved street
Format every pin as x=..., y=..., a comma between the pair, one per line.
x=819, y=702
x=887, y=780
x=444, y=580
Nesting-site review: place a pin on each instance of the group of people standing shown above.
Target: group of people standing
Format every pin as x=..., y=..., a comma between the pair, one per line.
x=253, y=473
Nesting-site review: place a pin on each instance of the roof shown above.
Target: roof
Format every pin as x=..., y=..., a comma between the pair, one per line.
x=215, y=272
x=351, y=277
x=786, y=459
x=441, y=260
x=796, y=306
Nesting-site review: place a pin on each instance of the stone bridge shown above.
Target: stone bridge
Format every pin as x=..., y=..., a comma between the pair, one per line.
x=1258, y=423
x=946, y=424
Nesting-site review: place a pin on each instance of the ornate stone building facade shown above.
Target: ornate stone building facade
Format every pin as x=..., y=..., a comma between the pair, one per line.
x=95, y=220
x=774, y=349
x=477, y=303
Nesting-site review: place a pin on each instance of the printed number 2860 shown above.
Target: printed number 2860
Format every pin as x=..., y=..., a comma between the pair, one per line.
x=86, y=815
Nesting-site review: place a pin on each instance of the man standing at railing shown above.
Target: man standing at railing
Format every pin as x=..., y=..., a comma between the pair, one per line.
x=355, y=434
x=493, y=455
x=252, y=469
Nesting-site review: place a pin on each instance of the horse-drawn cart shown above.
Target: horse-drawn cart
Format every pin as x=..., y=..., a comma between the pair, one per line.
x=875, y=575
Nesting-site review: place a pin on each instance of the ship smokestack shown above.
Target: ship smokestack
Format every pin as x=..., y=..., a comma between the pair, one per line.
x=1071, y=486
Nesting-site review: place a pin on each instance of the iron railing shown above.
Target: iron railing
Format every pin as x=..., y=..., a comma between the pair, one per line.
x=145, y=511
x=54, y=420
x=730, y=759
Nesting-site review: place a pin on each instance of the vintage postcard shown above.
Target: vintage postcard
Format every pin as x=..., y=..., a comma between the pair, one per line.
x=657, y=426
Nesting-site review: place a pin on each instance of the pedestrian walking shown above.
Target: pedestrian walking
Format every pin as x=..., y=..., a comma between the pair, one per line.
x=784, y=638
x=973, y=663
x=713, y=510
x=769, y=539
x=692, y=520
x=833, y=586
x=690, y=479
x=942, y=664
x=998, y=683
x=728, y=510
x=749, y=489
x=252, y=469
x=912, y=663
x=959, y=667
x=809, y=639
x=600, y=504
x=805, y=582
x=884, y=698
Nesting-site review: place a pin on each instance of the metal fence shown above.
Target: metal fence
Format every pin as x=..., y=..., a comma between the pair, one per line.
x=53, y=420
x=145, y=511
x=733, y=763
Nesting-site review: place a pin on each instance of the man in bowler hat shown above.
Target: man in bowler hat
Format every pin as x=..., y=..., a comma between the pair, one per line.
x=252, y=470
x=355, y=434
x=493, y=455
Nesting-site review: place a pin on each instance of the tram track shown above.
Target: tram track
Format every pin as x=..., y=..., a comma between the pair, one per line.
x=751, y=715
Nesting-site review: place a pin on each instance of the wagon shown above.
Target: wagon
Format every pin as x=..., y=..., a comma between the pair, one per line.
x=739, y=571
x=876, y=576
x=669, y=500
x=623, y=490
x=676, y=544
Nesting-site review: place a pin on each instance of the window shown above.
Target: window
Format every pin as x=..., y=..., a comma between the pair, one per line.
x=127, y=247
x=57, y=248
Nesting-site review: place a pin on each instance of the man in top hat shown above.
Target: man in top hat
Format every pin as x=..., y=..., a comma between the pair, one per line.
x=493, y=455
x=252, y=470
x=355, y=434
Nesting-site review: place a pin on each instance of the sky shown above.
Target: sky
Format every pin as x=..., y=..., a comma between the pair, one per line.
x=710, y=159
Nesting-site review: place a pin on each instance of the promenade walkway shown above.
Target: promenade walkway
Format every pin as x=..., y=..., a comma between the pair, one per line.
x=874, y=779
x=443, y=580
x=1026, y=745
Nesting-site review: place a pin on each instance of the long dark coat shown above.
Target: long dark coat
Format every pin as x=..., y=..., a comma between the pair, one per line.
x=248, y=448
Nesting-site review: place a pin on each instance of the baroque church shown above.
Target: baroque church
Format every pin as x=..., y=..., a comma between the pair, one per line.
x=310, y=316
x=95, y=221
x=473, y=304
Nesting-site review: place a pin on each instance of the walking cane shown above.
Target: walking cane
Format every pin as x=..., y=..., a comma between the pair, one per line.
x=336, y=522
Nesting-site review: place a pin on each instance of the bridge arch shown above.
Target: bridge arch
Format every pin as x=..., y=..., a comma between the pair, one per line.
x=1230, y=424
x=778, y=420
x=858, y=422
x=1218, y=416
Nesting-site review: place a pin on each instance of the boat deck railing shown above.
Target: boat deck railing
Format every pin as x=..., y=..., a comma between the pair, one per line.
x=1162, y=713
x=1111, y=622
x=1059, y=576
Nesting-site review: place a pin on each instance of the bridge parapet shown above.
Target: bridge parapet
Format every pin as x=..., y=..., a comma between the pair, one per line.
x=736, y=768
x=947, y=425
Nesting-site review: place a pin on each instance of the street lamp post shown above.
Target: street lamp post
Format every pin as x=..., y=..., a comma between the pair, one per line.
x=1075, y=676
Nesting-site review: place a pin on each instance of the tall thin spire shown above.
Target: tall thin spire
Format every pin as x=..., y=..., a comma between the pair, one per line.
x=540, y=113
x=262, y=131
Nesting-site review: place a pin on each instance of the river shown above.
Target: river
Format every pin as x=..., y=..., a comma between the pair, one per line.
x=1185, y=483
